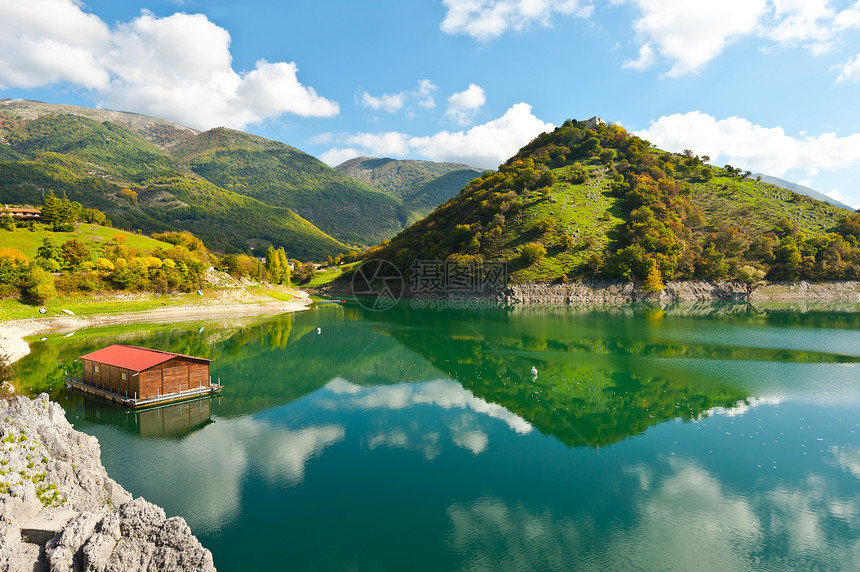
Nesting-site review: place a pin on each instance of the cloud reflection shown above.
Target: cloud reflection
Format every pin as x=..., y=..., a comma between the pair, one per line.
x=447, y=394
x=685, y=518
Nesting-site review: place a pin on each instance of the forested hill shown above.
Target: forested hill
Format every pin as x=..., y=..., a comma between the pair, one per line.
x=232, y=189
x=421, y=185
x=592, y=200
x=283, y=176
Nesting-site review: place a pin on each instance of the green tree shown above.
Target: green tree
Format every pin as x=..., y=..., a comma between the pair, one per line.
x=285, y=266
x=38, y=284
x=49, y=255
x=75, y=253
x=532, y=252
x=13, y=264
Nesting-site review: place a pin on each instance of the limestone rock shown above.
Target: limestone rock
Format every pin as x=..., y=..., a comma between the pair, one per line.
x=54, y=488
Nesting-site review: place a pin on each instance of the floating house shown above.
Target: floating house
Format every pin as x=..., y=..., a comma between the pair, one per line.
x=141, y=376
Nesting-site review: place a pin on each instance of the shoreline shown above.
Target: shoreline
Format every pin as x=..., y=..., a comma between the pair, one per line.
x=13, y=332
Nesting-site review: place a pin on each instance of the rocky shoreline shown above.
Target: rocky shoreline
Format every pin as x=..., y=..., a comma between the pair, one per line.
x=59, y=510
x=691, y=291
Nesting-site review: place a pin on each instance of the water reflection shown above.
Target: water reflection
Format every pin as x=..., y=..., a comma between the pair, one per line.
x=167, y=421
x=653, y=437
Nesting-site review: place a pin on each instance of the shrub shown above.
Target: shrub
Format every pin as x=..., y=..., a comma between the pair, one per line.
x=532, y=252
x=38, y=284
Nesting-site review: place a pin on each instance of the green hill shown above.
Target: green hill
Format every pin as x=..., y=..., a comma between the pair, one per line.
x=121, y=164
x=90, y=234
x=420, y=185
x=591, y=200
x=283, y=176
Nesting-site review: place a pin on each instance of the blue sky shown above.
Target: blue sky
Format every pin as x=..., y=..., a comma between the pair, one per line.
x=766, y=85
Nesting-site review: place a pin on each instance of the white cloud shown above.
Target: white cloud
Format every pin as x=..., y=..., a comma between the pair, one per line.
x=743, y=144
x=338, y=155
x=692, y=33
x=849, y=70
x=484, y=146
x=178, y=67
x=837, y=195
x=799, y=21
x=389, y=102
x=48, y=41
x=463, y=105
x=422, y=95
x=488, y=19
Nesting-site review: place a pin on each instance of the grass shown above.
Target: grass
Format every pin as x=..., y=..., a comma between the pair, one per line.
x=583, y=211
x=325, y=277
x=29, y=241
x=86, y=305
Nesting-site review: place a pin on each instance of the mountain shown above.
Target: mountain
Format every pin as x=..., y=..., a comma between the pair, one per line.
x=592, y=200
x=801, y=190
x=420, y=185
x=283, y=176
x=233, y=189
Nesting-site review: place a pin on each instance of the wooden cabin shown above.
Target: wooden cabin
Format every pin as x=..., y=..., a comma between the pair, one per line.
x=145, y=374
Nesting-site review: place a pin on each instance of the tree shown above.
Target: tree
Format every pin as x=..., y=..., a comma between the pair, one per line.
x=38, y=284
x=49, y=255
x=13, y=263
x=751, y=276
x=285, y=266
x=532, y=252
x=7, y=222
x=653, y=279
x=75, y=253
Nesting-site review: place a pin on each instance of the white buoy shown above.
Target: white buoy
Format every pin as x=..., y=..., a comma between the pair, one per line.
x=319, y=330
x=534, y=371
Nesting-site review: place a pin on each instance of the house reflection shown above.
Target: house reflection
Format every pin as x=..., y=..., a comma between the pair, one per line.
x=165, y=422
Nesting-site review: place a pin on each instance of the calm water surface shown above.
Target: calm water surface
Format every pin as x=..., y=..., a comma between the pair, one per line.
x=688, y=437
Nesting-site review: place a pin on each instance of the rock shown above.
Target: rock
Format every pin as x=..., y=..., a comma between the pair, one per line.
x=46, y=525
x=58, y=495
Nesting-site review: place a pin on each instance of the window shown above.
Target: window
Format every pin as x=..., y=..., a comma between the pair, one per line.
x=122, y=375
x=96, y=368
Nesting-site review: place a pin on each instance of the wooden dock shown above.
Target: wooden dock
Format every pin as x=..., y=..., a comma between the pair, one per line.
x=78, y=384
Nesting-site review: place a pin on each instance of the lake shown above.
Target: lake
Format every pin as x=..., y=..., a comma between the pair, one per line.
x=683, y=436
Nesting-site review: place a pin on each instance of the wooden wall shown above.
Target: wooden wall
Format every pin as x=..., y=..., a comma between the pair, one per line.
x=111, y=378
x=179, y=373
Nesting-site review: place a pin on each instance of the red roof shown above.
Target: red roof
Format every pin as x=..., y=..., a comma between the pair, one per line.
x=132, y=357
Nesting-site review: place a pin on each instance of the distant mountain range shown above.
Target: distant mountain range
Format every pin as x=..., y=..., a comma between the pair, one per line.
x=421, y=185
x=802, y=190
x=234, y=190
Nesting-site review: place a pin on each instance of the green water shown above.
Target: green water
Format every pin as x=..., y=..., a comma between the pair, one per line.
x=688, y=437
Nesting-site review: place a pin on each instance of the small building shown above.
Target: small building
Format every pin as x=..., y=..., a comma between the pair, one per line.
x=20, y=213
x=142, y=376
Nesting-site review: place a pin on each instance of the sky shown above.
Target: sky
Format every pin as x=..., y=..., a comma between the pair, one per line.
x=770, y=86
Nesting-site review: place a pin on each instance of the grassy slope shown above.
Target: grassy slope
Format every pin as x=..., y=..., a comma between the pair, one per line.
x=92, y=235
x=92, y=162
